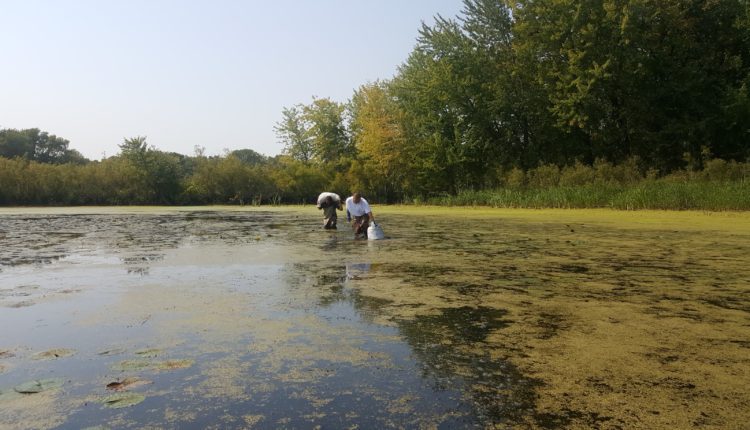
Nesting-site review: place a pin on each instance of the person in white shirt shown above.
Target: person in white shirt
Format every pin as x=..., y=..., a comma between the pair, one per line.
x=358, y=209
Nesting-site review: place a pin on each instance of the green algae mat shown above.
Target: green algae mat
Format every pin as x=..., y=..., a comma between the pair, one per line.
x=229, y=317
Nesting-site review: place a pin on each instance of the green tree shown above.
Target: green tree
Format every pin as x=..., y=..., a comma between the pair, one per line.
x=156, y=172
x=328, y=133
x=293, y=132
x=638, y=77
x=34, y=144
x=248, y=156
x=385, y=156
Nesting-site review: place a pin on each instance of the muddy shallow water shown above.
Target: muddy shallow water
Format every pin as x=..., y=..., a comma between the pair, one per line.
x=257, y=318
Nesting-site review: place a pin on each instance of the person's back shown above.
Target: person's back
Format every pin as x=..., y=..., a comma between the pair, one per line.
x=358, y=208
x=329, y=206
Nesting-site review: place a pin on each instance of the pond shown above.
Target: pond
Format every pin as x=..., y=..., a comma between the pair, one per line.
x=462, y=318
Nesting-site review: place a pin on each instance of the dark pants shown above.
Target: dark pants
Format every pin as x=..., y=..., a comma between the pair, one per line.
x=360, y=224
x=329, y=217
x=330, y=223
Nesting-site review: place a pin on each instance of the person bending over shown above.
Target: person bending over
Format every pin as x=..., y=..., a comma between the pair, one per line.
x=329, y=202
x=358, y=212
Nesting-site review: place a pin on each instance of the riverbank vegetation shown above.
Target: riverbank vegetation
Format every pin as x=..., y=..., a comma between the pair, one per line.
x=623, y=104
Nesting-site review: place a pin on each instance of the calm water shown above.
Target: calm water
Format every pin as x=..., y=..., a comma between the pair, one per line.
x=237, y=319
x=266, y=308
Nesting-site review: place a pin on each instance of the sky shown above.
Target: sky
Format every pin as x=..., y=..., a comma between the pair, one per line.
x=183, y=73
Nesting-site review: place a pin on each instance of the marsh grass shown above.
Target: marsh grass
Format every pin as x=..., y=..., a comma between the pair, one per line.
x=646, y=195
x=720, y=185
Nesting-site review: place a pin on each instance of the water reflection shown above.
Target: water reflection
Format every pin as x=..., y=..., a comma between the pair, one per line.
x=357, y=270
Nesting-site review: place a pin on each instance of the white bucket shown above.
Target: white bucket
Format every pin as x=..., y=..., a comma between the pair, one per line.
x=374, y=232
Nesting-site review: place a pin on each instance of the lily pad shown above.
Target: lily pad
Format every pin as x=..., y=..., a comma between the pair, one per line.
x=127, y=384
x=122, y=400
x=53, y=353
x=39, y=385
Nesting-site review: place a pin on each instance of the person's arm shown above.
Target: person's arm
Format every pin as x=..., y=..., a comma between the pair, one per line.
x=370, y=215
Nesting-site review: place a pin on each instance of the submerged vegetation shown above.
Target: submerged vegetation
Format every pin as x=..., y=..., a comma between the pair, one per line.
x=622, y=104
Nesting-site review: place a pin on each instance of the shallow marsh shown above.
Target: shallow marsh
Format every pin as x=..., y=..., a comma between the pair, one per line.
x=462, y=318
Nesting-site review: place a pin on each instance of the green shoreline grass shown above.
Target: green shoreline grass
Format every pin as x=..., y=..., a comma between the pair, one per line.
x=661, y=195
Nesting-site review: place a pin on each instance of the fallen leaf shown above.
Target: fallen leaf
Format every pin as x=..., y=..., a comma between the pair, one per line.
x=122, y=400
x=6, y=353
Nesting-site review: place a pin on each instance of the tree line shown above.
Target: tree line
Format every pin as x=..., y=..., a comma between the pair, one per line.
x=530, y=83
x=490, y=99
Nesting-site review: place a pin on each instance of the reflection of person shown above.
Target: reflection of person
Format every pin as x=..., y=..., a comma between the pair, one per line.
x=356, y=270
x=358, y=208
x=329, y=202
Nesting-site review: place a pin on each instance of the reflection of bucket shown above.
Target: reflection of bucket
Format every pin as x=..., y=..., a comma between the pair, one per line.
x=374, y=232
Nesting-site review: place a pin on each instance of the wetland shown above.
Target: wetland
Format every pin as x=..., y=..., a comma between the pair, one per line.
x=229, y=317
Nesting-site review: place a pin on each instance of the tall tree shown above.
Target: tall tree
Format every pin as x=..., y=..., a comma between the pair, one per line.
x=328, y=133
x=36, y=145
x=386, y=155
x=293, y=132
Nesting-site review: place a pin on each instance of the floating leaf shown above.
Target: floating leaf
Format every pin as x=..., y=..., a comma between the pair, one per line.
x=6, y=353
x=39, y=385
x=53, y=353
x=127, y=384
x=122, y=400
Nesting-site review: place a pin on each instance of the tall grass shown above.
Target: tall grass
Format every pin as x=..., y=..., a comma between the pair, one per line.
x=714, y=196
x=719, y=186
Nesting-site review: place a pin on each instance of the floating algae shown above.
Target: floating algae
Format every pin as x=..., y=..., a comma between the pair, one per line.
x=146, y=364
x=149, y=352
x=122, y=400
x=53, y=354
x=517, y=319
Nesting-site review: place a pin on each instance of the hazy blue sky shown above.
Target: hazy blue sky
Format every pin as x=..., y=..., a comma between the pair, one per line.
x=186, y=73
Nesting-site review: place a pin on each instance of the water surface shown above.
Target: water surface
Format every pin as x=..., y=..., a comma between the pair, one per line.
x=257, y=318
